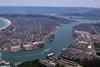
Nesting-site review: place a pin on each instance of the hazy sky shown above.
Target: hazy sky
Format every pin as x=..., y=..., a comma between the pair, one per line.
x=61, y=3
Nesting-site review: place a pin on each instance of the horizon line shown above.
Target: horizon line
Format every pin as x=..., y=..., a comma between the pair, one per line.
x=47, y=6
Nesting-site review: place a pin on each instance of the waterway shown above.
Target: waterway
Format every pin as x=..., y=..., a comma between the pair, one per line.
x=62, y=39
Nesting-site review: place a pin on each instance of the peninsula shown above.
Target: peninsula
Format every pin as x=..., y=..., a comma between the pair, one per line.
x=27, y=32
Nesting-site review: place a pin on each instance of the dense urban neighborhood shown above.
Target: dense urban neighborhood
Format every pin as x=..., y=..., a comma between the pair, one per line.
x=49, y=37
x=29, y=31
x=83, y=52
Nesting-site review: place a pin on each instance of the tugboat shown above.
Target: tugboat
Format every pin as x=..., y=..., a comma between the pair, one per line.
x=51, y=54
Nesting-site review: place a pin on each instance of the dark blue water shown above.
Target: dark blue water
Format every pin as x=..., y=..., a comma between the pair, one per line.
x=42, y=10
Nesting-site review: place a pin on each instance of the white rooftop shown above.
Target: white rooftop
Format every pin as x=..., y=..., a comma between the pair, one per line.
x=89, y=46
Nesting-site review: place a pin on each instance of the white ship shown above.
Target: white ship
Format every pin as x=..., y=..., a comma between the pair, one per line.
x=51, y=54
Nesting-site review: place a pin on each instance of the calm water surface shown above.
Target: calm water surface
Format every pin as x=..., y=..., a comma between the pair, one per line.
x=2, y=24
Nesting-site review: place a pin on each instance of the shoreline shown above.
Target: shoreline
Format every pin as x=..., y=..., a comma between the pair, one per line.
x=7, y=23
x=44, y=44
x=36, y=45
x=81, y=49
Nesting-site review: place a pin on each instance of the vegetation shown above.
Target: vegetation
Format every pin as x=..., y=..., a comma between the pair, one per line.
x=31, y=64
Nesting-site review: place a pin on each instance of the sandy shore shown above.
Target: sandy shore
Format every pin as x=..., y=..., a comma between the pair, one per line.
x=6, y=21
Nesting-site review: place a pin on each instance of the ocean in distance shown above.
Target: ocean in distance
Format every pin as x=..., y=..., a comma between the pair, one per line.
x=62, y=39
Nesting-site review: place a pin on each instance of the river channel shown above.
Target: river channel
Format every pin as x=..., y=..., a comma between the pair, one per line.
x=62, y=39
